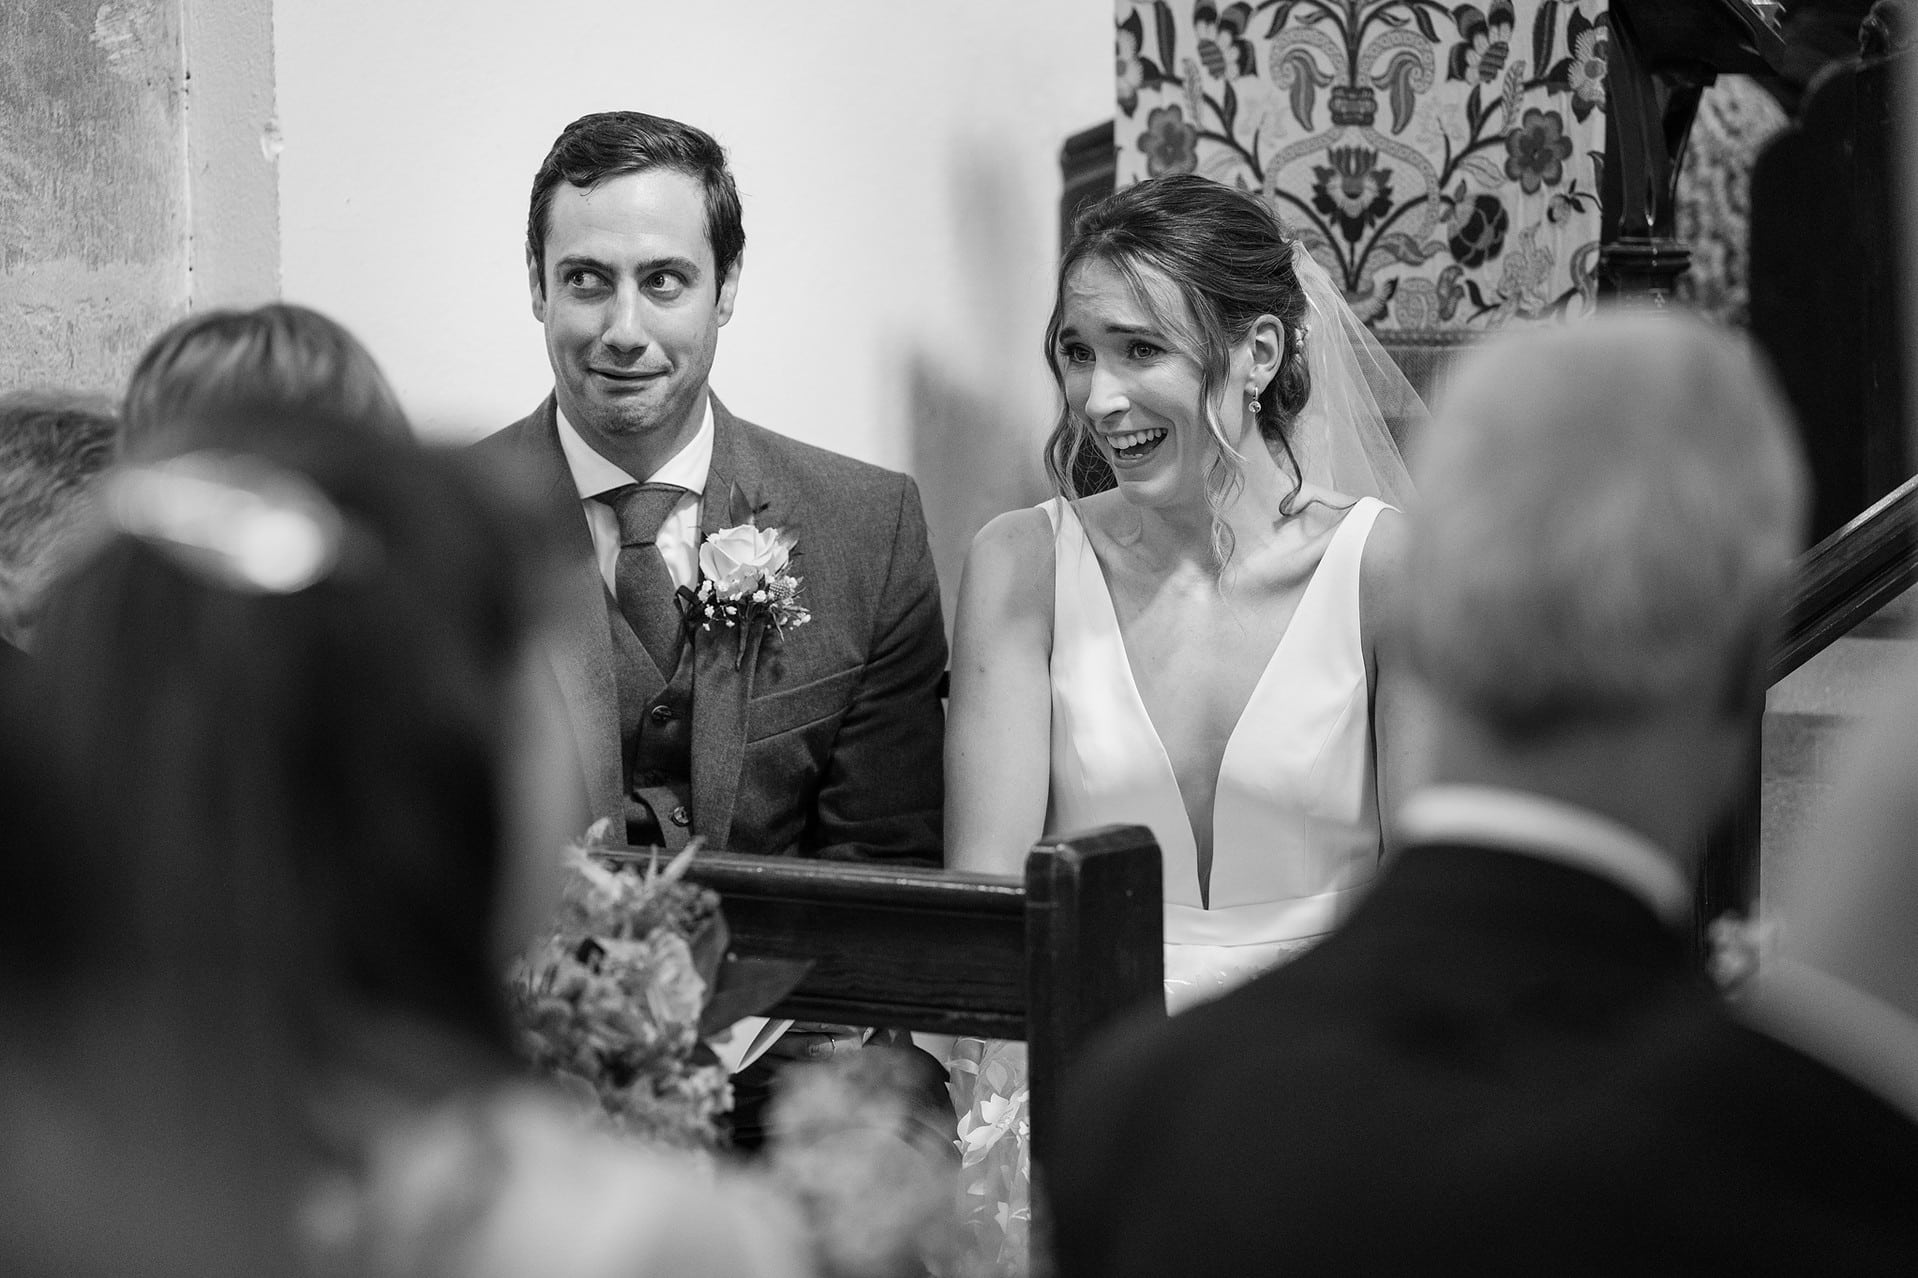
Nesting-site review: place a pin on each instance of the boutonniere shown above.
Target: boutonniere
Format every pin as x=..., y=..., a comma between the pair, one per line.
x=746, y=582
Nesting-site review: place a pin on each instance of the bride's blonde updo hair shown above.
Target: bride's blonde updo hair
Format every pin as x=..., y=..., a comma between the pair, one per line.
x=1206, y=260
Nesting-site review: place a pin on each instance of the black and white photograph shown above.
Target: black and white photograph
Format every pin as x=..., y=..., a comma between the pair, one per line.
x=987, y=639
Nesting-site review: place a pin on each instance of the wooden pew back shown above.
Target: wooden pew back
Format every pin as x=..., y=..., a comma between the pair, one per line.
x=1048, y=960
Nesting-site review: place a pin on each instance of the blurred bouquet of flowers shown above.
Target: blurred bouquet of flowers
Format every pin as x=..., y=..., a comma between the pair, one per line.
x=872, y=1180
x=617, y=1001
x=620, y=996
x=991, y=1090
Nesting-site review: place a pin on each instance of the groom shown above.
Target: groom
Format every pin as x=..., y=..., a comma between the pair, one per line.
x=760, y=735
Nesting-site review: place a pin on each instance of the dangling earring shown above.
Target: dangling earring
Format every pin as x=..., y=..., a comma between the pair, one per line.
x=1254, y=405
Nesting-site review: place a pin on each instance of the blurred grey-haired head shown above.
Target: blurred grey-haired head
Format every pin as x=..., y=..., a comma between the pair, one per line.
x=1606, y=513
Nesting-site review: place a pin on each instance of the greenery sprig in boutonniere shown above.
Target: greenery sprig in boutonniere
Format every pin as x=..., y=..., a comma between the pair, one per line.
x=746, y=583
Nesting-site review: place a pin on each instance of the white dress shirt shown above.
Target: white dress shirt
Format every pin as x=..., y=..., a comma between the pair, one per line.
x=679, y=535
x=1532, y=825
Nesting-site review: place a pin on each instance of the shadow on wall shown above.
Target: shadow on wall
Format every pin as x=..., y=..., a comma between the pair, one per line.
x=980, y=409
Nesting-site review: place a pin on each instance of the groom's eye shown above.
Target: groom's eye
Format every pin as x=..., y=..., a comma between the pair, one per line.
x=581, y=280
x=665, y=285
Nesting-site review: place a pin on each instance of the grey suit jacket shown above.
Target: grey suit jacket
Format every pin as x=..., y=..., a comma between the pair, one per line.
x=828, y=739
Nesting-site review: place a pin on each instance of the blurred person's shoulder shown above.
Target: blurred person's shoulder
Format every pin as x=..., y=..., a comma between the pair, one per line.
x=518, y=1179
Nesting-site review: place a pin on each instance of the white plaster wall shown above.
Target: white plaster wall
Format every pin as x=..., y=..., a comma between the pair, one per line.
x=898, y=161
x=232, y=146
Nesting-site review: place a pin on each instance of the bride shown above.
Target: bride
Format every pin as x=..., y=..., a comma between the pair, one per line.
x=1197, y=649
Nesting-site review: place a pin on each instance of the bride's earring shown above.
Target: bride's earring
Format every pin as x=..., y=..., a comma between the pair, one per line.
x=1254, y=405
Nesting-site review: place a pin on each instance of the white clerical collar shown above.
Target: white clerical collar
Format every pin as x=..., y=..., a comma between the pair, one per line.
x=1856, y=1033
x=593, y=474
x=1516, y=821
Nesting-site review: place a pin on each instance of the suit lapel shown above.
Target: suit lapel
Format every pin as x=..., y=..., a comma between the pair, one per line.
x=722, y=676
x=583, y=660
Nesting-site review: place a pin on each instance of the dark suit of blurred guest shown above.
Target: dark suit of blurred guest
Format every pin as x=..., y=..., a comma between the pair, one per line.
x=1505, y=1062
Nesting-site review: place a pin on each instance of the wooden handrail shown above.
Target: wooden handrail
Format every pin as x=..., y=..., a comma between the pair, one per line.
x=1835, y=585
x=1849, y=576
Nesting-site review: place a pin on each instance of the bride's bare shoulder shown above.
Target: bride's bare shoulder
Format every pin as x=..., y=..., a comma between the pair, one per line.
x=1382, y=566
x=1321, y=510
x=1009, y=567
x=1015, y=535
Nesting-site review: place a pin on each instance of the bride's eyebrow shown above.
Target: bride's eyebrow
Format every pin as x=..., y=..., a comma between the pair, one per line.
x=1071, y=332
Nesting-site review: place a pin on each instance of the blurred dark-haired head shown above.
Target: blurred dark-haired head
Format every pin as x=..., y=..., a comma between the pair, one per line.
x=53, y=446
x=225, y=368
x=304, y=675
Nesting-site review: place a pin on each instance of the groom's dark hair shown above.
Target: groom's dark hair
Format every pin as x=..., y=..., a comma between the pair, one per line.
x=610, y=144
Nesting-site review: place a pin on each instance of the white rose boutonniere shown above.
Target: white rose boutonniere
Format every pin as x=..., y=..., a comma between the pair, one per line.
x=746, y=581
x=735, y=559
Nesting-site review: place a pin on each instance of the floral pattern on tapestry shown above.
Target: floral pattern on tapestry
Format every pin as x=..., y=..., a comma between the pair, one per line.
x=1441, y=160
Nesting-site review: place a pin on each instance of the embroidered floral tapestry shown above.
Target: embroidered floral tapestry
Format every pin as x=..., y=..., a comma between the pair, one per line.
x=1441, y=160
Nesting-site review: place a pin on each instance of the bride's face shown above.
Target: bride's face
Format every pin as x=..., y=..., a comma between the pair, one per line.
x=1126, y=375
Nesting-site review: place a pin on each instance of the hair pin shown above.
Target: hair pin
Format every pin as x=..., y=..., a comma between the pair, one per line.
x=236, y=520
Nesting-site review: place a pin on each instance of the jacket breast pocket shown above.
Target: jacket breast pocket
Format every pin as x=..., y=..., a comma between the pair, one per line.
x=790, y=709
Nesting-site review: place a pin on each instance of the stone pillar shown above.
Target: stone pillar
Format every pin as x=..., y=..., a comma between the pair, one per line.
x=137, y=178
x=93, y=196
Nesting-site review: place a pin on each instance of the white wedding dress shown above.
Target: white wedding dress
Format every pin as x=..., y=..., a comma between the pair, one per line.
x=1295, y=819
x=1295, y=826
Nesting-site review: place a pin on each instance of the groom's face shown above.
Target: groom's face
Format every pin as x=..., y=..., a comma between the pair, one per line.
x=632, y=308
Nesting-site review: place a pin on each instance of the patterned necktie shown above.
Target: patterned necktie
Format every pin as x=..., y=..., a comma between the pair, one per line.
x=645, y=586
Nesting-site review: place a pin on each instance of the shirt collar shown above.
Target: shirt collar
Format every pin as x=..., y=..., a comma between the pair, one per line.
x=1854, y=1032
x=1515, y=821
x=593, y=474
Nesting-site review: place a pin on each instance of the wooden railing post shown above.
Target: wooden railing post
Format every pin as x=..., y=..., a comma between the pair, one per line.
x=1093, y=918
x=1661, y=56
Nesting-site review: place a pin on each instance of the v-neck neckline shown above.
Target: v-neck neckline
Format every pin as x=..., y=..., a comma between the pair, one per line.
x=1266, y=677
